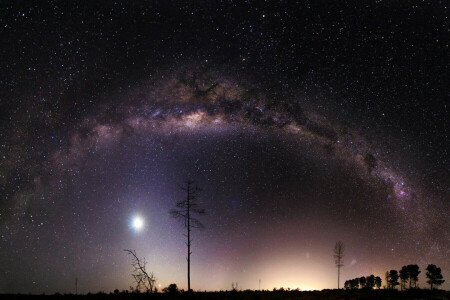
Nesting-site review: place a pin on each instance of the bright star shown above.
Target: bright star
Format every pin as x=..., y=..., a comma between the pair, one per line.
x=137, y=223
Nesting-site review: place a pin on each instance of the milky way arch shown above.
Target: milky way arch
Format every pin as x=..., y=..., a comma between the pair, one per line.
x=207, y=101
x=210, y=103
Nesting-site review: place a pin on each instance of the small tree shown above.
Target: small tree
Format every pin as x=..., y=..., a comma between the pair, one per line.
x=144, y=281
x=362, y=281
x=339, y=257
x=378, y=282
x=347, y=285
x=386, y=277
x=434, y=276
x=393, y=279
x=171, y=289
x=404, y=276
x=354, y=283
x=413, y=272
x=370, y=281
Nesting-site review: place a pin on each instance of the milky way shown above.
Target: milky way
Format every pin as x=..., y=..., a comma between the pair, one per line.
x=289, y=161
x=111, y=156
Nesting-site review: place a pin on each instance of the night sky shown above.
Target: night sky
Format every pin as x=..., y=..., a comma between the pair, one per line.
x=304, y=123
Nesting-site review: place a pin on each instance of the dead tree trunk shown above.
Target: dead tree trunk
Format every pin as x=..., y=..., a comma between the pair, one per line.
x=338, y=257
x=185, y=209
x=189, y=234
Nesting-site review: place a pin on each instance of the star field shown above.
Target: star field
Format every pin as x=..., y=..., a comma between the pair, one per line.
x=304, y=123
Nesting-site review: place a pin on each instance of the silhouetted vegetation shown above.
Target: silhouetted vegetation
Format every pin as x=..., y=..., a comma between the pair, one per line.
x=339, y=257
x=171, y=289
x=368, y=283
x=393, y=279
x=403, y=277
x=145, y=281
x=185, y=210
x=378, y=282
x=413, y=274
x=357, y=288
x=277, y=294
x=234, y=286
x=434, y=276
x=409, y=272
x=362, y=282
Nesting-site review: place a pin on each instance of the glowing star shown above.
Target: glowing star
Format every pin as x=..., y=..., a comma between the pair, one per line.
x=137, y=223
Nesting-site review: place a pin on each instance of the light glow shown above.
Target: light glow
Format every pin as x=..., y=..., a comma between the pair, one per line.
x=137, y=223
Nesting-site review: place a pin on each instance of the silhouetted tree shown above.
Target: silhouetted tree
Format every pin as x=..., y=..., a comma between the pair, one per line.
x=413, y=273
x=339, y=257
x=434, y=276
x=234, y=286
x=144, y=280
x=354, y=283
x=171, y=289
x=347, y=284
x=386, y=277
x=378, y=282
x=185, y=210
x=393, y=279
x=404, y=276
x=362, y=281
x=370, y=281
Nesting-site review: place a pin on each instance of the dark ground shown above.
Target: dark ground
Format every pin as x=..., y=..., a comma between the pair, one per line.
x=310, y=295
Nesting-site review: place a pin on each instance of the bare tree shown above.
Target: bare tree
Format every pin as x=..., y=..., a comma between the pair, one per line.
x=339, y=257
x=144, y=281
x=76, y=285
x=185, y=210
x=234, y=286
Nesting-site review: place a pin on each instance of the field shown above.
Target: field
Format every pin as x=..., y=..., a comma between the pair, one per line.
x=250, y=295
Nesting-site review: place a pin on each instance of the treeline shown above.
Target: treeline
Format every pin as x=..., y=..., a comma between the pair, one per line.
x=408, y=275
x=368, y=282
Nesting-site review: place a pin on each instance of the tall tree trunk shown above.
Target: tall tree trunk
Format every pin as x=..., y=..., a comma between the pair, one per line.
x=189, y=238
x=339, y=273
x=186, y=211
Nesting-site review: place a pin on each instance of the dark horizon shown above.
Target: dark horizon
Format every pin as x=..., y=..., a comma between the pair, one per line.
x=304, y=124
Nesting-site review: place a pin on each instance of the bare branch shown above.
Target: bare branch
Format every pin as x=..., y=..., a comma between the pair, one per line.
x=196, y=224
x=200, y=211
x=176, y=214
x=144, y=281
